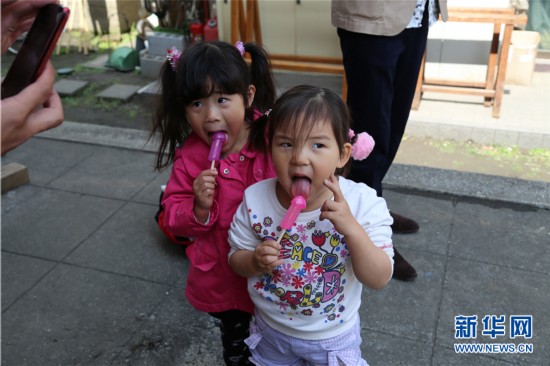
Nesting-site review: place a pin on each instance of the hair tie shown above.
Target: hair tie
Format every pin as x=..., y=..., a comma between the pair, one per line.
x=257, y=114
x=240, y=46
x=173, y=55
x=361, y=145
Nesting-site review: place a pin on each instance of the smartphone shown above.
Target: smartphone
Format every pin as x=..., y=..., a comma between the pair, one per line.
x=36, y=49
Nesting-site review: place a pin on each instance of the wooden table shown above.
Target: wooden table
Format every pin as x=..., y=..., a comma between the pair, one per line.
x=492, y=88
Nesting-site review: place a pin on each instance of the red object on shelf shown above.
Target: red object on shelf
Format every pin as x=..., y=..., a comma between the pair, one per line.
x=197, y=32
x=211, y=30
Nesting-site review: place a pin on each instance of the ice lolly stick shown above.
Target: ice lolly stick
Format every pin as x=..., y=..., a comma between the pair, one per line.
x=297, y=204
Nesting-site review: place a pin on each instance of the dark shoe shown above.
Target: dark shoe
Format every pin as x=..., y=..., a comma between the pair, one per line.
x=403, y=225
x=402, y=270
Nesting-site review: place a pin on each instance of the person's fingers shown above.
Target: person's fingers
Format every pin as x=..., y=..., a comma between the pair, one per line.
x=272, y=244
x=39, y=92
x=34, y=96
x=332, y=184
x=25, y=24
x=17, y=17
x=14, y=13
x=48, y=117
x=47, y=111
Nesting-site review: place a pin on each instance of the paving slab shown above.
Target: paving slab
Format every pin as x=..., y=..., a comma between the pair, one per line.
x=109, y=172
x=19, y=274
x=525, y=227
x=103, y=135
x=380, y=348
x=61, y=221
x=99, y=62
x=478, y=288
x=407, y=309
x=46, y=160
x=12, y=200
x=142, y=252
x=434, y=215
x=151, y=193
x=77, y=316
x=191, y=338
x=67, y=87
x=123, y=92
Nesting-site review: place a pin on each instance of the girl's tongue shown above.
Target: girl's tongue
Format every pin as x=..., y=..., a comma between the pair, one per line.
x=300, y=187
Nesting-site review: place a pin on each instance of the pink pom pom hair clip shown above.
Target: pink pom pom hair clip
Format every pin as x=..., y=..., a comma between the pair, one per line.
x=173, y=55
x=361, y=145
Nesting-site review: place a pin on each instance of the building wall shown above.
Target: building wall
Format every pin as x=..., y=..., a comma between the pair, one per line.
x=102, y=16
x=305, y=29
x=290, y=27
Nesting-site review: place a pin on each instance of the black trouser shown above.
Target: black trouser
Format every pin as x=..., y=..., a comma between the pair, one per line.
x=381, y=73
x=234, y=327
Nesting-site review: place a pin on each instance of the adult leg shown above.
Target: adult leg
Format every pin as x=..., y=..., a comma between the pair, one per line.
x=234, y=329
x=370, y=62
x=406, y=77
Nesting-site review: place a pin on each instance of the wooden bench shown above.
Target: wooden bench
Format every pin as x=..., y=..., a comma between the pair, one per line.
x=492, y=89
x=326, y=65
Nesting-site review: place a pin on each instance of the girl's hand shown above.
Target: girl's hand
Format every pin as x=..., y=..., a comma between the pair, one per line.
x=266, y=256
x=337, y=210
x=203, y=189
x=371, y=265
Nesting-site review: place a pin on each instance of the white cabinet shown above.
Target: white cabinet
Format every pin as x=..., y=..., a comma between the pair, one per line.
x=291, y=27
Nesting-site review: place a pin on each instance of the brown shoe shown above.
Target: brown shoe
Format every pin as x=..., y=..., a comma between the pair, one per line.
x=403, y=225
x=402, y=270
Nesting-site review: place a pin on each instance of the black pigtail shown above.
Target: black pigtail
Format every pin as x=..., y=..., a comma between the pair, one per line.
x=261, y=77
x=258, y=134
x=166, y=119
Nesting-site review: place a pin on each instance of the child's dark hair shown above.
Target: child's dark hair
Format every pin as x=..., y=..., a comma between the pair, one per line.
x=297, y=111
x=200, y=70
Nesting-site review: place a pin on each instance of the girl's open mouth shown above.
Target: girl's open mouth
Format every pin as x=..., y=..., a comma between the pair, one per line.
x=300, y=186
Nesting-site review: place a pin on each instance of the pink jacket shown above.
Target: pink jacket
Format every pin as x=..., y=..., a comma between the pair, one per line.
x=212, y=286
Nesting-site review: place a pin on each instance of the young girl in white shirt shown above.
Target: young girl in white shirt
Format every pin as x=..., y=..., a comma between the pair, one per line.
x=306, y=287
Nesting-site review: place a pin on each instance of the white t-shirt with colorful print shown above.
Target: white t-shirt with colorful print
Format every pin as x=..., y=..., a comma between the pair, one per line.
x=314, y=294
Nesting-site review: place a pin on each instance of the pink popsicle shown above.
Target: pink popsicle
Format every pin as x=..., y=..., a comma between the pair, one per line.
x=218, y=138
x=297, y=204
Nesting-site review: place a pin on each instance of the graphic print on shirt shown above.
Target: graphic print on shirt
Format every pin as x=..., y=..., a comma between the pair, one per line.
x=310, y=281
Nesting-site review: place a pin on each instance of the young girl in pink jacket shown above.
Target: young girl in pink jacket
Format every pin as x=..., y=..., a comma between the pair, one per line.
x=206, y=90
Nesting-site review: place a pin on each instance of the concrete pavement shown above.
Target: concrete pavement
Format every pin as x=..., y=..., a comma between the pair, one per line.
x=88, y=279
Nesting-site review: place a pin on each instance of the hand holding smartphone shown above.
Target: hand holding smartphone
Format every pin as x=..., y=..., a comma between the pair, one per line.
x=36, y=49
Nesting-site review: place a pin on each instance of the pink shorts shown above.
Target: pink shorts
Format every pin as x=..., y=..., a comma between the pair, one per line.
x=270, y=347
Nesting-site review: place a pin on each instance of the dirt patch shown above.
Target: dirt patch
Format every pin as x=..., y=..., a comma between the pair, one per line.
x=85, y=107
x=506, y=161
